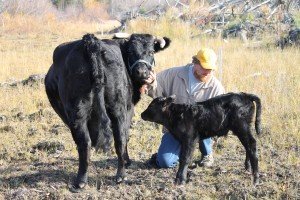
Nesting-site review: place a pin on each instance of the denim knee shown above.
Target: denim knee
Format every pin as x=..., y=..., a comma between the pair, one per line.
x=167, y=160
x=205, y=146
x=168, y=151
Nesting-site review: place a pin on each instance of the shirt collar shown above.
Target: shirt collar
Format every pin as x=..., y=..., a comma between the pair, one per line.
x=185, y=75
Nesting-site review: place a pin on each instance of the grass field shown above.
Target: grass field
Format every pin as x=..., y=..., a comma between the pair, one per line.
x=38, y=158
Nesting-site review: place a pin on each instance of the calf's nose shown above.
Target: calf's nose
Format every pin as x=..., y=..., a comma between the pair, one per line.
x=143, y=116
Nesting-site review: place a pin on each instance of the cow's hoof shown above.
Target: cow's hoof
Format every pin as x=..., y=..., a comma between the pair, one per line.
x=255, y=182
x=121, y=179
x=128, y=163
x=248, y=166
x=193, y=165
x=76, y=188
x=179, y=182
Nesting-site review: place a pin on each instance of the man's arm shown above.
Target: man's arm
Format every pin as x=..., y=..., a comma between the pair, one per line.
x=150, y=82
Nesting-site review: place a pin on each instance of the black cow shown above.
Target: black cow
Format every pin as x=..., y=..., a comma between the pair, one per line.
x=93, y=86
x=214, y=117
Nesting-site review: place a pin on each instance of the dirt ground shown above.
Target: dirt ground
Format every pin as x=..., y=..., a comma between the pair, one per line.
x=50, y=172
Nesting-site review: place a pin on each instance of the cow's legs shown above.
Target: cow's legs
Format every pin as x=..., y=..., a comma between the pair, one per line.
x=186, y=154
x=247, y=162
x=119, y=132
x=126, y=156
x=249, y=143
x=83, y=142
x=77, y=115
x=128, y=123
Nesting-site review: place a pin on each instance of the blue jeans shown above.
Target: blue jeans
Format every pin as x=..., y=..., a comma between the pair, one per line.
x=169, y=150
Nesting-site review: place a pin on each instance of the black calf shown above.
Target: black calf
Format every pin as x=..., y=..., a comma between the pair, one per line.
x=214, y=117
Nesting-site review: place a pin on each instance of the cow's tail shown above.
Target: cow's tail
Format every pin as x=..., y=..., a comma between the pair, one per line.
x=92, y=47
x=257, y=101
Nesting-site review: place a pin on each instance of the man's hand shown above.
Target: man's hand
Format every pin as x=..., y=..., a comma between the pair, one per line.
x=149, y=80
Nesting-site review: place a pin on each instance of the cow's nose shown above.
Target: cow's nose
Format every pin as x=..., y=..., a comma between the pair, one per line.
x=143, y=72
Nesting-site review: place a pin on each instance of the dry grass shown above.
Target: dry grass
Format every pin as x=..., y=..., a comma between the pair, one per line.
x=27, y=119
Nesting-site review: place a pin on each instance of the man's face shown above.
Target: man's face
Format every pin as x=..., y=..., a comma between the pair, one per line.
x=200, y=73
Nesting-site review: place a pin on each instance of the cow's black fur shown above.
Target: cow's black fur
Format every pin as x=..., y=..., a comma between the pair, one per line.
x=90, y=89
x=214, y=117
x=140, y=47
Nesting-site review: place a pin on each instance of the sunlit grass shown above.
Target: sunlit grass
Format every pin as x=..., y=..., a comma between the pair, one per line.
x=270, y=73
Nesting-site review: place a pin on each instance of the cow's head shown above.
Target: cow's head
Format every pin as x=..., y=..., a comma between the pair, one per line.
x=157, y=110
x=138, y=53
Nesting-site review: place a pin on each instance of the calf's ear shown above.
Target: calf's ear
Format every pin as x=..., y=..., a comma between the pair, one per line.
x=160, y=99
x=170, y=99
x=173, y=96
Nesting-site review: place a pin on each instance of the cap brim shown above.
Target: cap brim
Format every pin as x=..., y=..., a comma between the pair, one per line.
x=195, y=57
x=208, y=66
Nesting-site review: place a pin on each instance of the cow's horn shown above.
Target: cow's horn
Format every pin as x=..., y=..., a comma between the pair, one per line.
x=122, y=35
x=161, y=41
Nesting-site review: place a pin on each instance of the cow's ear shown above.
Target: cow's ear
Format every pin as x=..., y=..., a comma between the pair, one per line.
x=157, y=44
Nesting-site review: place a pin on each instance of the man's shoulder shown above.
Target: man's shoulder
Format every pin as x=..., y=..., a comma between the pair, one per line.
x=173, y=71
x=214, y=82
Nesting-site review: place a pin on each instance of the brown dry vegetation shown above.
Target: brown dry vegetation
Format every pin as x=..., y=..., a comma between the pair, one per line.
x=38, y=158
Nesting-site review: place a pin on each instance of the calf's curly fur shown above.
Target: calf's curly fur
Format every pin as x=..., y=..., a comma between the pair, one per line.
x=214, y=117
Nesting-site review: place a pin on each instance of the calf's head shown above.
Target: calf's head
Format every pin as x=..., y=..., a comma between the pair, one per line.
x=157, y=110
x=138, y=53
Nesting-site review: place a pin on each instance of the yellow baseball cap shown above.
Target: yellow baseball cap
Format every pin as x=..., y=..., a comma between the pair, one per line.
x=207, y=57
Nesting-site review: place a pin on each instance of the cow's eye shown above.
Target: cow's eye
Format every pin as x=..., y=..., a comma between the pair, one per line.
x=103, y=53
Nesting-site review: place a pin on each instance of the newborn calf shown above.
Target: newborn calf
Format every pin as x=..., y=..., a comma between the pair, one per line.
x=214, y=117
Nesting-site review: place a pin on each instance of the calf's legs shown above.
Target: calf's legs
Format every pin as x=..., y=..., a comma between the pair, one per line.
x=249, y=143
x=186, y=154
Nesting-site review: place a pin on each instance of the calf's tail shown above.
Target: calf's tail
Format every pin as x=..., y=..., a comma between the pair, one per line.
x=257, y=101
